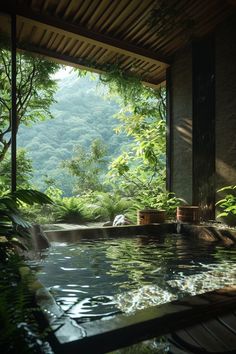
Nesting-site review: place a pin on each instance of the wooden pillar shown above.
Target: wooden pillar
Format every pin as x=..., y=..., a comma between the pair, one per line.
x=13, y=103
x=169, y=131
x=204, y=127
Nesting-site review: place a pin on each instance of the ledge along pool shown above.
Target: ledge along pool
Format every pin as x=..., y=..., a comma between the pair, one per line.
x=94, y=279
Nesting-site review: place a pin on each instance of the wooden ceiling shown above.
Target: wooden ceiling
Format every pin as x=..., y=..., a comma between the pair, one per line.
x=139, y=36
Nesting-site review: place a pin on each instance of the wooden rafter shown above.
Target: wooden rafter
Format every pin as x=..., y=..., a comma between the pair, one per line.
x=76, y=62
x=91, y=37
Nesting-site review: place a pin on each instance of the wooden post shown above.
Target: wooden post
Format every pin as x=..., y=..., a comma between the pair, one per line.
x=169, y=131
x=13, y=103
x=204, y=127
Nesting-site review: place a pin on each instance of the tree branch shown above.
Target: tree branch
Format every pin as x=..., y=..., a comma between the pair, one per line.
x=6, y=145
x=5, y=104
x=6, y=68
x=28, y=95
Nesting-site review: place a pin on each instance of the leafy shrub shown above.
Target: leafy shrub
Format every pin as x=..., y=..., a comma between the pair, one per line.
x=19, y=329
x=67, y=209
x=108, y=205
x=228, y=203
x=38, y=214
x=70, y=210
x=12, y=225
x=47, y=213
x=162, y=200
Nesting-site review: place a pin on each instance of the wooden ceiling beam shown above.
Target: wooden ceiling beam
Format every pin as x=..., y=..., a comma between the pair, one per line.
x=76, y=62
x=81, y=33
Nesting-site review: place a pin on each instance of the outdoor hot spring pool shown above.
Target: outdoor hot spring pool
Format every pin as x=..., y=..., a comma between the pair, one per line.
x=92, y=279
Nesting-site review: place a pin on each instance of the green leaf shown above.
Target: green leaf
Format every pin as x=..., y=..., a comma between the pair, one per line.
x=222, y=215
x=30, y=196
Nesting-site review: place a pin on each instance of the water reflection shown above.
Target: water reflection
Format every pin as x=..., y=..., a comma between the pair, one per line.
x=94, y=279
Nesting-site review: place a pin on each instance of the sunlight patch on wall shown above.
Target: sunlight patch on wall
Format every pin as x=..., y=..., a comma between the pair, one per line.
x=225, y=172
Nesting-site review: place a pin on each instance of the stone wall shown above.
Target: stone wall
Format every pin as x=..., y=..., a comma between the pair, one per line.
x=225, y=113
x=181, y=76
x=225, y=69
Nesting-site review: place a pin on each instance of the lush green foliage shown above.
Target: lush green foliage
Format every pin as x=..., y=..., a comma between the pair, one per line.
x=89, y=167
x=35, y=90
x=24, y=171
x=106, y=206
x=81, y=116
x=89, y=207
x=162, y=201
x=70, y=210
x=139, y=172
x=137, y=167
x=121, y=85
x=63, y=209
x=228, y=203
x=19, y=331
x=12, y=225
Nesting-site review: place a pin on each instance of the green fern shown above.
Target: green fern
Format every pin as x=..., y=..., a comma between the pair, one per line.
x=19, y=330
x=107, y=205
x=12, y=225
x=71, y=210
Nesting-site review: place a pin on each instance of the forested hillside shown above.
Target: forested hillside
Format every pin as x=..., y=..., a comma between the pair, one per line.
x=81, y=115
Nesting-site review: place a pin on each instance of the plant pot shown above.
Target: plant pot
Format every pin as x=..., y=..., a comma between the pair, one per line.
x=149, y=216
x=188, y=214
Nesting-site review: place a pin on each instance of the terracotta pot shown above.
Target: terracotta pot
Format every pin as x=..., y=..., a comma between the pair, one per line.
x=149, y=216
x=188, y=214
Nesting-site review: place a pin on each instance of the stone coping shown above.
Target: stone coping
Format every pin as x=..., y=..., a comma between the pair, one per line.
x=73, y=235
x=210, y=233
x=101, y=336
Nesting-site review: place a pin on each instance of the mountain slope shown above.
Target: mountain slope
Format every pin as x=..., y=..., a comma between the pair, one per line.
x=81, y=115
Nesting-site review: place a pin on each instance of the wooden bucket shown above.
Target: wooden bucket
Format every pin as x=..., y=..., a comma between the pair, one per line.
x=188, y=214
x=149, y=216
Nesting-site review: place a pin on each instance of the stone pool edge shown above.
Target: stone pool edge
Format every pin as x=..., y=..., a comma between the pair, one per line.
x=209, y=233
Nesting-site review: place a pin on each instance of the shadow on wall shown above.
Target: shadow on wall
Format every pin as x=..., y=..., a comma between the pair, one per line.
x=225, y=174
x=182, y=159
x=185, y=131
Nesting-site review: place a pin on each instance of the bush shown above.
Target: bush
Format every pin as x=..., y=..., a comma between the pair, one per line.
x=162, y=201
x=19, y=330
x=12, y=224
x=107, y=205
x=228, y=205
x=70, y=210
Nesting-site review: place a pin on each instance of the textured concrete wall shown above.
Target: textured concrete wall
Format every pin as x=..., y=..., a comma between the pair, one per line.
x=181, y=73
x=225, y=68
x=225, y=113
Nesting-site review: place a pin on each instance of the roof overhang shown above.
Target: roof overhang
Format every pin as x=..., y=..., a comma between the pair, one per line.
x=134, y=35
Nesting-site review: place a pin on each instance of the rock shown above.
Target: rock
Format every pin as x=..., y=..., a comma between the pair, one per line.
x=39, y=238
x=121, y=220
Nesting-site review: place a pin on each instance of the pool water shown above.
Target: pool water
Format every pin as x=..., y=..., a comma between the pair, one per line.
x=93, y=279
